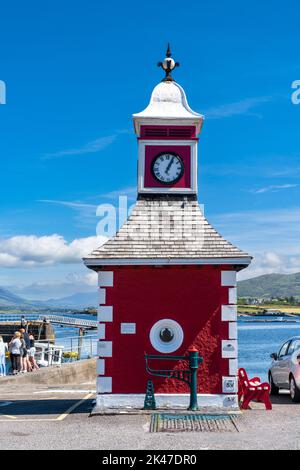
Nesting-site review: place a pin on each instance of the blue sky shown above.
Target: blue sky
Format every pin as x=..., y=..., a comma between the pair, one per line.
x=76, y=71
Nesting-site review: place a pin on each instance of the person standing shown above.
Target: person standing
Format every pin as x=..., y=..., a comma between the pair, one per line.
x=3, y=349
x=26, y=366
x=24, y=323
x=32, y=351
x=14, y=348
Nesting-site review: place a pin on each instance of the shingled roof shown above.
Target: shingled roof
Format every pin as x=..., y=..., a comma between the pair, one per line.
x=168, y=230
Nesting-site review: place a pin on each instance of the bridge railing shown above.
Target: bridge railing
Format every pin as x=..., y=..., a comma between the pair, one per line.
x=57, y=319
x=63, y=320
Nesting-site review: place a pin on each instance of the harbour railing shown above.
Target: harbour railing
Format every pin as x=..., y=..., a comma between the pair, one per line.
x=15, y=317
x=74, y=347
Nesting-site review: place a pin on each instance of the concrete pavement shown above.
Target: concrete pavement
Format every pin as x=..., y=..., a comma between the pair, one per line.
x=58, y=418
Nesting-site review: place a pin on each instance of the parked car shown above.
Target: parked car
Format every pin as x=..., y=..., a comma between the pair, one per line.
x=284, y=372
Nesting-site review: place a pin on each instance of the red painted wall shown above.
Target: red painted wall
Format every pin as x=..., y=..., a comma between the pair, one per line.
x=151, y=151
x=190, y=295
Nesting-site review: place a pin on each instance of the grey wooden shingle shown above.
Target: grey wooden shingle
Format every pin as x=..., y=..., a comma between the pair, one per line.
x=157, y=228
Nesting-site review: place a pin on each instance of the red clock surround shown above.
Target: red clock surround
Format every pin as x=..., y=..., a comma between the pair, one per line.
x=184, y=151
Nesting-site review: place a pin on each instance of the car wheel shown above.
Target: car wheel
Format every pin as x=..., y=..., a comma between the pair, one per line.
x=274, y=390
x=294, y=390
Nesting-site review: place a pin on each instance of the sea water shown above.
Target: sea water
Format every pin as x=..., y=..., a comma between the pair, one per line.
x=256, y=340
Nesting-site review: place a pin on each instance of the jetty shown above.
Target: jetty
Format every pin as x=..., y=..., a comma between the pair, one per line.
x=42, y=325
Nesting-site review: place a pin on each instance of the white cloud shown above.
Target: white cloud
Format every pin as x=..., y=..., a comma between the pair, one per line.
x=270, y=236
x=71, y=204
x=271, y=262
x=242, y=107
x=274, y=188
x=73, y=283
x=30, y=250
x=91, y=147
x=85, y=214
x=130, y=192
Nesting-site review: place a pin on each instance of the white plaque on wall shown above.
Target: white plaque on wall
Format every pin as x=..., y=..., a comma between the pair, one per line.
x=229, y=348
x=128, y=328
x=230, y=401
x=229, y=384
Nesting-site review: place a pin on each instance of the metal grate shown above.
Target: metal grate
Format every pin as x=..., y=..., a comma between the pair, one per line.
x=167, y=422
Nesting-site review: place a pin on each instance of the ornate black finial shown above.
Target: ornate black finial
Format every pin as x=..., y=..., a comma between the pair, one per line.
x=168, y=65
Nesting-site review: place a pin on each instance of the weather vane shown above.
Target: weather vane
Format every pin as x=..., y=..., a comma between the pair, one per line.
x=168, y=65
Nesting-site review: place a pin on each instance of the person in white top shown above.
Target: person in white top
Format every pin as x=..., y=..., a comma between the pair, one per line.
x=3, y=349
x=14, y=348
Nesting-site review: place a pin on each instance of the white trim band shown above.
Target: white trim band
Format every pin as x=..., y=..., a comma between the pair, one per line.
x=106, y=279
x=164, y=400
x=105, y=313
x=233, y=366
x=101, y=331
x=232, y=295
x=232, y=330
x=104, y=384
x=166, y=261
x=100, y=366
x=229, y=312
x=104, y=348
x=228, y=278
x=101, y=296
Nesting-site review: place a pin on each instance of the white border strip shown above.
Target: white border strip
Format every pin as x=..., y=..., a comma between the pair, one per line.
x=165, y=261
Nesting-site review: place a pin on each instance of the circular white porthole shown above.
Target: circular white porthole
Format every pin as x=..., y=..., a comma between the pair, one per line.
x=166, y=336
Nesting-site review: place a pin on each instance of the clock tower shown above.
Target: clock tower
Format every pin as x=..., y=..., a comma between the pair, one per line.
x=167, y=279
x=167, y=132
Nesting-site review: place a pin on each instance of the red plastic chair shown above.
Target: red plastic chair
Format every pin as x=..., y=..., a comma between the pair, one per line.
x=252, y=389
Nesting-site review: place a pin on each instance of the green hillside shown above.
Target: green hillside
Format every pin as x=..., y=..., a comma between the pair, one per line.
x=271, y=285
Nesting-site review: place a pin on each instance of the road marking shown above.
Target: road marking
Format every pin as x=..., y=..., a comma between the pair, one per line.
x=59, y=418
x=24, y=420
x=73, y=407
x=64, y=391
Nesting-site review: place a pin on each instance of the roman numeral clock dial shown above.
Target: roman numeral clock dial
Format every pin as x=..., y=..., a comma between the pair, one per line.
x=167, y=167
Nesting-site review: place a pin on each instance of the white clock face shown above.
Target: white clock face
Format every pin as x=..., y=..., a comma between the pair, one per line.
x=167, y=168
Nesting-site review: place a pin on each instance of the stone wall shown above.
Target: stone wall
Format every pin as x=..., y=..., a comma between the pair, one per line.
x=72, y=373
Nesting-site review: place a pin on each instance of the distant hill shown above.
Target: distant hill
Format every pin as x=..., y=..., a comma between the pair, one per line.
x=265, y=286
x=271, y=285
x=80, y=300
x=8, y=299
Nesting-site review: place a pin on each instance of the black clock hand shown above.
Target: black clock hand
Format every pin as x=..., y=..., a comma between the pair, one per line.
x=169, y=166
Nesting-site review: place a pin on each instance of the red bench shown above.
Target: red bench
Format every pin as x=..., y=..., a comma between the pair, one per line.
x=252, y=389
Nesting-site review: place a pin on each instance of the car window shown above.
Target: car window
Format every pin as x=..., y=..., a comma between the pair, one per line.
x=283, y=350
x=294, y=346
